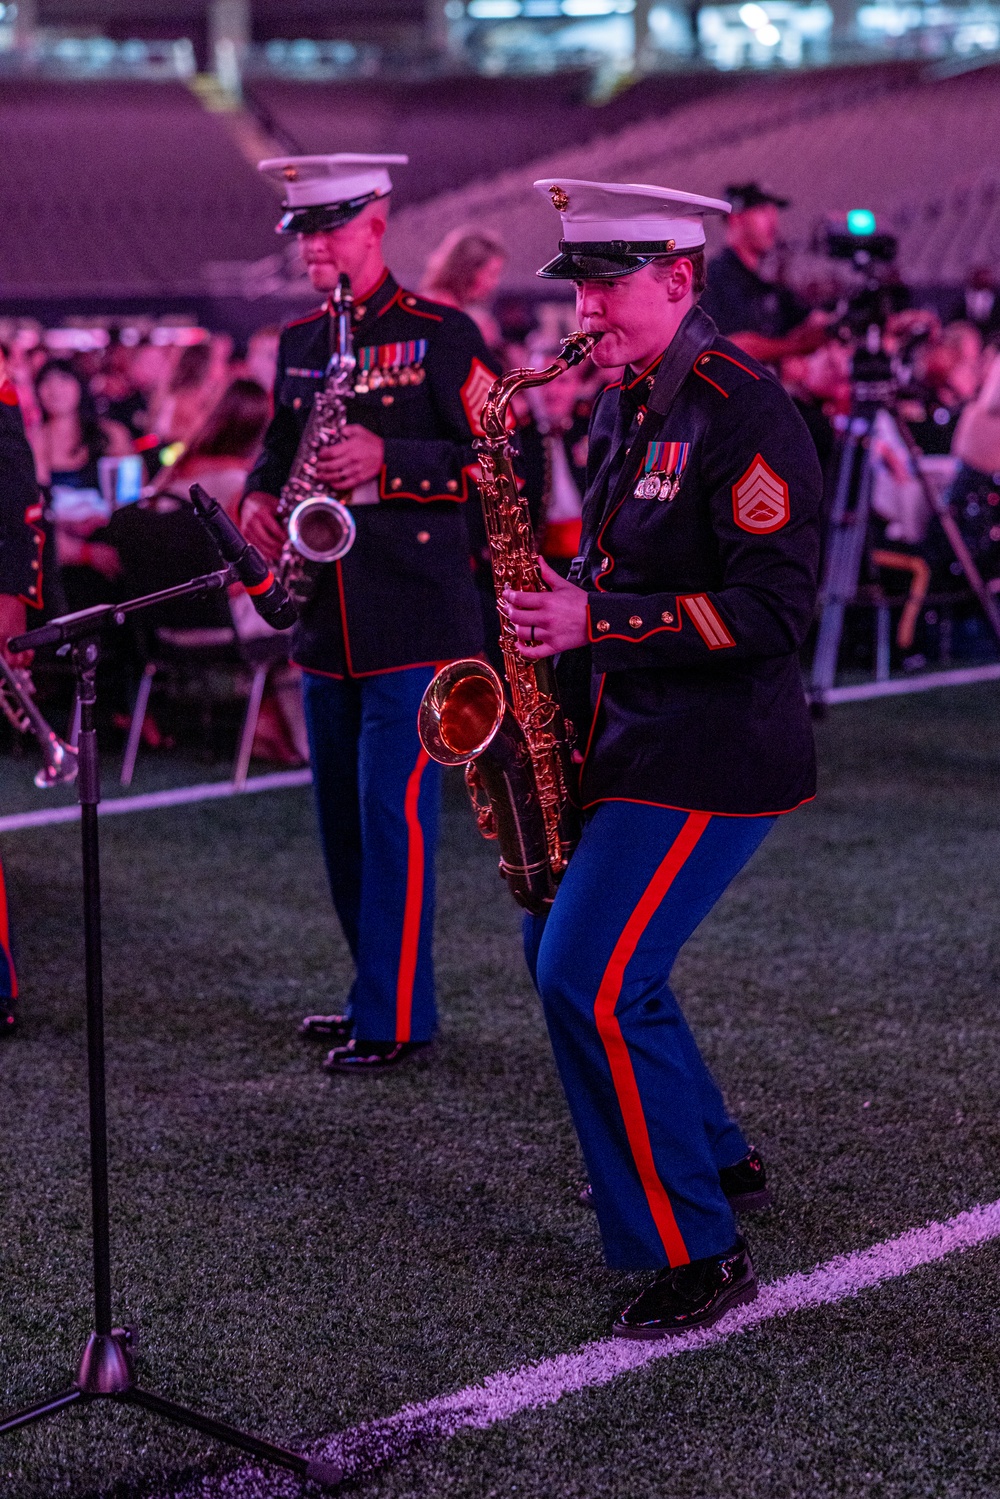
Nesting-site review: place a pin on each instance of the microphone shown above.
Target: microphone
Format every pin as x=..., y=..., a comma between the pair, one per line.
x=266, y=594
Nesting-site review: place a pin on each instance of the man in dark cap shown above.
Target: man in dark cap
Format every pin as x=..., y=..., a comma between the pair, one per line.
x=765, y=319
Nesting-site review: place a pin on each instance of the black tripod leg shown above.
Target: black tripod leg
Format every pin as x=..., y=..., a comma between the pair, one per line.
x=315, y=1469
x=43, y=1408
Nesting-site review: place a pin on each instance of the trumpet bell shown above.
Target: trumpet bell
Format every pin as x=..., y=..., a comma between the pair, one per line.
x=322, y=529
x=61, y=764
x=461, y=712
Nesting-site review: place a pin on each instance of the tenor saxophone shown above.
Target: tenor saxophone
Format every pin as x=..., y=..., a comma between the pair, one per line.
x=518, y=755
x=319, y=527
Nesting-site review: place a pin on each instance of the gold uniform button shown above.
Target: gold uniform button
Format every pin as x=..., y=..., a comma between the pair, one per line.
x=605, y=564
x=705, y=359
x=388, y=400
x=425, y=485
x=452, y=486
x=423, y=536
x=397, y=484
x=359, y=312
x=409, y=301
x=603, y=627
x=297, y=403
x=640, y=417
x=35, y=565
x=667, y=617
x=635, y=621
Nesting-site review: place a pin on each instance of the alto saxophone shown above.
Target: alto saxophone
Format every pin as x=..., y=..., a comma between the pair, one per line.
x=17, y=702
x=518, y=756
x=320, y=528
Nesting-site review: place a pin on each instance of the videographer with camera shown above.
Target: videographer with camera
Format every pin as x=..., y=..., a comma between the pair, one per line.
x=765, y=319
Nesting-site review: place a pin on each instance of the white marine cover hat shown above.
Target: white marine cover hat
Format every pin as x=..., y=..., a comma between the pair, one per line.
x=614, y=228
x=323, y=192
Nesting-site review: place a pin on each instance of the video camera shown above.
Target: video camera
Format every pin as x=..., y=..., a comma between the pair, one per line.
x=862, y=315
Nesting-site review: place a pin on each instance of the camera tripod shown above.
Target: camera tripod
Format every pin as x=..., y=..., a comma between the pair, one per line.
x=106, y=1369
x=874, y=392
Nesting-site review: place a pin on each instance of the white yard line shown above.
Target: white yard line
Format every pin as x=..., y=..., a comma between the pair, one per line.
x=364, y=1448
x=178, y=796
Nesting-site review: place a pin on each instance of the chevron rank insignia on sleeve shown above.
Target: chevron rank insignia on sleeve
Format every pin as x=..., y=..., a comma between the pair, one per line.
x=760, y=499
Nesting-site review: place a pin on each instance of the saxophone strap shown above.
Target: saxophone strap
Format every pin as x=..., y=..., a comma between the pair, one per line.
x=696, y=333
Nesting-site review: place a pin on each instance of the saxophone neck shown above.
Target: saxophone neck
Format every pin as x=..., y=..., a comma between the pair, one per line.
x=575, y=349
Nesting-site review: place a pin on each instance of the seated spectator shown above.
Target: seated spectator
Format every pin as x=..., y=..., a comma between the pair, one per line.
x=193, y=391
x=219, y=459
x=67, y=444
x=947, y=375
x=464, y=272
x=820, y=385
x=977, y=434
x=222, y=454
x=261, y=363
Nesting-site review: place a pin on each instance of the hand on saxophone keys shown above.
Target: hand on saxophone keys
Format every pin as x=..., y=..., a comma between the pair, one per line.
x=550, y=622
x=354, y=460
x=259, y=524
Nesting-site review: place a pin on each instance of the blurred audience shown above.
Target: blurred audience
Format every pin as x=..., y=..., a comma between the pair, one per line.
x=223, y=452
x=464, y=272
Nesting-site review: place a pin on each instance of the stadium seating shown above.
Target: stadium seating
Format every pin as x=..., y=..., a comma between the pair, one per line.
x=121, y=189
x=135, y=190
x=914, y=153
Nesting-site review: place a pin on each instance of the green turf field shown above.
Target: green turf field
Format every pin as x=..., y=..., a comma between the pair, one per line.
x=303, y=1253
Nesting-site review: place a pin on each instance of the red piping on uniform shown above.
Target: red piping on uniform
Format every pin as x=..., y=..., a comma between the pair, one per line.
x=343, y=620
x=593, y=722
x=309, y=318
x=616, y=1048
x=413, y=909
x=718, y=354
x=355, y=676
x=638, y=801
x=401, y=292
x=711, y=382
x=649, y=368
x=5, y=934
x=369, y=294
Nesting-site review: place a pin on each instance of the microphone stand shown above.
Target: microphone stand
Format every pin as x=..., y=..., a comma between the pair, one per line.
x=106, y=1369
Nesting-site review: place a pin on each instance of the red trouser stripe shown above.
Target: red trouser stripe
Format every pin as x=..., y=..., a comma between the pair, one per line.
x=5, y=934
x=622, y=1073
x=413, y=909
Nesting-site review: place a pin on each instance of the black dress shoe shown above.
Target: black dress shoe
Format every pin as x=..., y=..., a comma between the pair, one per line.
x=370, y=1056
x=691, y=1296
x=335, y=1028
x=744, y=1184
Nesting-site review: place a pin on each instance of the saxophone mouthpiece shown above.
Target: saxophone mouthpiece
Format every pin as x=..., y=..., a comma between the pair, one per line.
x=577, y=346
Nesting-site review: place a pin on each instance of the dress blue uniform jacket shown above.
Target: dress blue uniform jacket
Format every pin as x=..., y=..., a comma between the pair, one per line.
x=404, y=595
x=700, y=602
x=21, y=535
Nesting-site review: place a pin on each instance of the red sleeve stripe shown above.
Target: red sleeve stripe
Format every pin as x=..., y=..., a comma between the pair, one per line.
x=707, y=621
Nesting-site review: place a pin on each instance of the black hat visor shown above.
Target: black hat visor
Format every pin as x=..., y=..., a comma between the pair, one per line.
x=751, y=195
x=606, y=260
x=316, y=217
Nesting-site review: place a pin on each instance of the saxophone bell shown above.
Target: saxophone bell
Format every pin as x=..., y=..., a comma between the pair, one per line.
x=321, y=529
x=461, y=712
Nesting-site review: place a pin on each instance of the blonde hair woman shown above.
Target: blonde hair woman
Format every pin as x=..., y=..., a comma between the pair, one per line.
x=464, y=272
